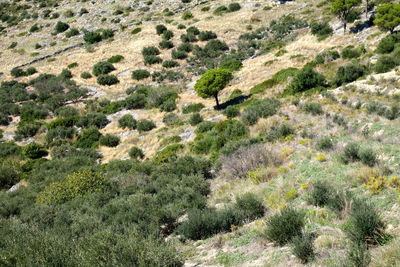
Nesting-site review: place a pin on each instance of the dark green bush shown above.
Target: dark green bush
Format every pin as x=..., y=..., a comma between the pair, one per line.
x=140, y=74
x=115, y=59
x=107, y=80
x=385, y=64
x=136, y=101
x=160, y=29
x=92, y=37
x=388, y=43
x=17, y=72
x=136, y=153
x=72, y=32
x=260, y=109
x=150, y=51
x=176, y=54
x=9, y=175
x=279, y=131
x=34, y=151
x=170, y=119
x=250, y=205
x=97, y=120
x=25, y=130
x=303, y=247
x=61, y=27
x=232, y=112
x=127, y=121
x=351, y=153
x=109, y=140
x=151, y=60
x=185, y=47
x=170, y=64
x=368, y=156
x=220, y=10
x=321, y=29
x=207, y=35
x=166, y=44
x=325, y=143
x=283, y=227
x=195, y=107
x=231, y=65
x=167, y=35
x=358, y=255
x=86, y=75
x=88, y=138
x=351, y=52
x=306, y=79
x=232, y=7
x=169, y=153
x=145, y=125
x=349, y=73
x=195, y=119
x=102, y=68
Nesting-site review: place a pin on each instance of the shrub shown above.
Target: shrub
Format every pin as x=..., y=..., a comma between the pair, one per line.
x=187, y=15
x=283, y=227
x=136, y=30
x=140, y=74
x=303, y=248
x=61, y=27
x=221, y=9
x=358, y=255
x=86, y=75
x=231, y=65
x=170, y=119
x=260, y=109
x=321, y=194
x=313, y=108
x=88, y=138
x=321, y=29
x=170, y=64
x=160, y=29
x=176, y=54
x=9, y=175
x=349, y=73
x=185, y=47
x=252, y=206
x=388, y=43
x=325, y=143
x=135, y=101
x=98, y=120
x=195, y=107
x=169, y=153
x=232, y=7
x=127, y=121
x=195, y=119
x=77, y=184
x=193, y=30
x=385, y=64
x=167, y=35
x=17, y=72
x=166, y=44
x=136, y=153
x=151, y=60
x=107, y=80
x=351, y=52
x=150, y=51
x=351, y=153
x=92, y=37
x=207, y=35
x=232, y=112
x=364, y=225
x=102, y=68
x=25, y=130
x=34, y=151
x=306, y=79
x=216, y=45
x=71, y=33
x=145, y=125
x=109, y=140
x=367, y=156
x=115, y=59
x=279, y=132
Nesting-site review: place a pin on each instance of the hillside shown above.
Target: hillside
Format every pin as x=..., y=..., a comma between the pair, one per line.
x=114, y=151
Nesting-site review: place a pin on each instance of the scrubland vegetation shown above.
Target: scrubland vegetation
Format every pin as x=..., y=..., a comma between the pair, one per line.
x=185, y=133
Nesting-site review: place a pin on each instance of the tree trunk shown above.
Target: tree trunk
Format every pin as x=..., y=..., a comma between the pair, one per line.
x=216, y=100
x=366, y=9
x=344, y=26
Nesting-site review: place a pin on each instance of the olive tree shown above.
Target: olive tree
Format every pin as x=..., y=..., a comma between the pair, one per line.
x=212, y=82
x=342, y=9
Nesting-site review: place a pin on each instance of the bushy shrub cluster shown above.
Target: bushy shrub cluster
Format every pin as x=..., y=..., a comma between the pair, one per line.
x=107, y=80
x=306, y=79
x=312, y=108
x=127, y=121
x=140, y=74
x=349, y=73
x=102, y=68
x=259, y=109
x=321, y=29
x=353, y=152
x=145, y=125
x=279, y=131
x=109, y=140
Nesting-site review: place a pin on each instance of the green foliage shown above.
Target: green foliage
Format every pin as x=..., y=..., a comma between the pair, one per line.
x=277, y=78
x=102, y=68
x=353, y=152
x=109, y=140
x=168, y=153
x=232, y=112
x=305, y=79
x=260, y=108
x=140, y=74
x=166, y=44
x=321, y=29
x=350, y=52
x=212, y=82
x=25, y=130
x=349, y=73
x=326, y=56
x=127, y=121
x=72, y=32
x=232, y=7
x=107, y=80
x=61, y=27
x=388, y=43
x=98, y=120
x=115, y=59
x=92, y=37
x=231, y=65
x=170, y=64
x=387, y=17
x=385, y=64
x=160, y=29
x=358, y=255
x=77, y=184
x=136, y=30
x=364, y=225
x=284, y=226
x=343, y=9
x=88, y=138
x=34, y=151
x=145, y=125
x=207, y=35
x=151, y=60
x=187, y=15
x=9, y=173
x=136, y=153
x=86, y=75
x=195, y=119
x=279, y=131
x=325, y=143
x=250, y=205
x=176, y=54
x=303, y=247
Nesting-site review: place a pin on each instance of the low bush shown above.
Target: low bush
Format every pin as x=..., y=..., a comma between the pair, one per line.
x=284, y=226
x=325, y=195
x=61, y=27
x=250, y=205
x=279, y=131
x=195, y=119
x=97, y=120
x=232, y=112
x=169, y=153
x=167, y=35
x=353, y=152
x=358, y=255
x=171, y=119
x=170, y=64
x=388, y=43
x=207, y=35
x=232, y=7
x=34, y=151
x=231, y=65
x=151, y=60
x=187, y=15
x=350, y=52
x=349, y=73
x=193, y=107
x=303, y=247
x=321, y=29
x=107, y=80
x=220, y=10
x=109, y=140
x=385, y=64
x=160, y=29
x=102, y=68
x=72, y=32
x=260, y=109
x=86, y=75
x=140, y=74
x=306, y=79
x=325, y=143
x=150, y=51
x=166, y=44
x=127, y=121
x=312, y=108
x=136, y=153
x=145, y=125
x=115, y=59
x=176, y=54
x=92, y=37
x=89, y=138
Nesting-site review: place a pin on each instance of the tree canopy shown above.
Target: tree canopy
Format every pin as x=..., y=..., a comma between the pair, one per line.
x=388, y=17
x=342, y=9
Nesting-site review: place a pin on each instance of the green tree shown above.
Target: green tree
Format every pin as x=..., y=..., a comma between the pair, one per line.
x=342, y=9
x=212, y=82
x=388, y=17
